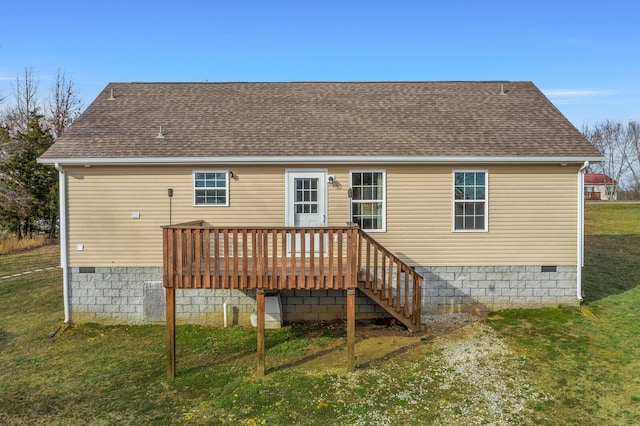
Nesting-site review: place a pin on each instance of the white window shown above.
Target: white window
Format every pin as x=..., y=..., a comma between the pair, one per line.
x=368, y=199
x=211, y=188
x=470, y=212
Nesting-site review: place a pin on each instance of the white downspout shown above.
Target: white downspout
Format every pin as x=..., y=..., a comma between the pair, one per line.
x=580, y=257
x=64, y=253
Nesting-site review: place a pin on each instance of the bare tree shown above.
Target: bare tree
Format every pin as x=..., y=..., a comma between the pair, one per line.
x=26, y=102
x=618, y=143
x=633, y=134
x=15, y=204
x=1, y=97
x=64, y=105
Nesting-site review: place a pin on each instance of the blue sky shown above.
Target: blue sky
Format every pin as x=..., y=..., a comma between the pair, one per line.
x=585, y=55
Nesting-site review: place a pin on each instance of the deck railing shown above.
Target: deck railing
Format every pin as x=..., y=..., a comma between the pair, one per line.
x=197, y=255
x=385, y=277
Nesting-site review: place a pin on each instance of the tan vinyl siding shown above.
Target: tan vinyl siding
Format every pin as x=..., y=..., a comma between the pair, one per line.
x=101, y=200
x=532, y=217
x=339, y=203
x=532, y=212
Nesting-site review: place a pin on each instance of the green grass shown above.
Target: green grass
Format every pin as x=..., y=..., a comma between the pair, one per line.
x=116, y=374
x=590, y=366
x=612, y=219
x=41, y=257
x=583, y=371
x=612, y=248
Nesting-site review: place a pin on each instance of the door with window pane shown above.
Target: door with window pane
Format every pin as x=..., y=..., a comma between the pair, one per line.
x=306, y=204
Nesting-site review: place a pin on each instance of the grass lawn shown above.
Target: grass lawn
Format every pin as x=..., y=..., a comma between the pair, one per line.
x=591, y=366
x=557, y=366
x=41, y=257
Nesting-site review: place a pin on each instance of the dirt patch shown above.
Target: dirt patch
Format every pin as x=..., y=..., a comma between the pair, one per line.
x=377, y=341
x=434, y=325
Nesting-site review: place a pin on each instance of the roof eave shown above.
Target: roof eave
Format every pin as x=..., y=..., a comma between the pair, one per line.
x=320, y=160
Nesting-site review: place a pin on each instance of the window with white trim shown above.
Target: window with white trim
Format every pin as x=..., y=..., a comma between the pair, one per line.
x=368, y=199
x=470, y=211
x=211, y=188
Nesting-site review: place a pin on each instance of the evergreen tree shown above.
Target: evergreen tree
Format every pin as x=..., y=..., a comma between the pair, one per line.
x=29, y=190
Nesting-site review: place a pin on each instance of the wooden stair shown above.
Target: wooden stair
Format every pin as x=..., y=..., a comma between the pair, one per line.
x=407, y=321
x=390, y=283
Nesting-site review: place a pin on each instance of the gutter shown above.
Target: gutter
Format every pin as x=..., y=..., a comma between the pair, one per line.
x=299, y=160
x=64, y=252
x=580, y=251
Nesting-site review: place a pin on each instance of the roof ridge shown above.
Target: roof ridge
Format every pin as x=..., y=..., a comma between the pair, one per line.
x=327, y=82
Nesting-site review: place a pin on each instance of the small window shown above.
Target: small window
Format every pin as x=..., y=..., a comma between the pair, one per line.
x=306, y=199
x=470, y=201
x=210, y=188
x=368, y=200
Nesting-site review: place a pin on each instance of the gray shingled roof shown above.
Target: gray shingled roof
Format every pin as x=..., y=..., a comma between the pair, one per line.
x=377, y=119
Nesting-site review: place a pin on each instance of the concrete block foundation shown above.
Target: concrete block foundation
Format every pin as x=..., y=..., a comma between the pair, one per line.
x=477, y=289
x=116, y=295
x=135, y=295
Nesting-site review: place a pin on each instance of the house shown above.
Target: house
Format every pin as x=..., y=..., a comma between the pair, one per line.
x=472, y=190
x=599, y=186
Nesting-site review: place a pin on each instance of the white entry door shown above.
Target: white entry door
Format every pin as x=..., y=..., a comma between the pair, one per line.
x=307, y=203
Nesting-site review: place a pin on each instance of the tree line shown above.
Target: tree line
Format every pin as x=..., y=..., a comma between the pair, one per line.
x=28, y=190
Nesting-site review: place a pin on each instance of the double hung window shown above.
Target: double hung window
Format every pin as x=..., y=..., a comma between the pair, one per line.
x=368, y=199
x=470, y=201
x=211, y=188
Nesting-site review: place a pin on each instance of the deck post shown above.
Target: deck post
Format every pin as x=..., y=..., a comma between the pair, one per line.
x=351, y=284
x=351, y=329
x=171, y=332
x=260, y=313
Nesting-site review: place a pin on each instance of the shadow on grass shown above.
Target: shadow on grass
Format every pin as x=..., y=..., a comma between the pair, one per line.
x=308, y=358
x=612, y=265
x=390, y=356
x=203, y=347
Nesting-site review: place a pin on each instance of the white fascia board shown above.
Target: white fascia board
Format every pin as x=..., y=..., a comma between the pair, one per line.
x=316, y=160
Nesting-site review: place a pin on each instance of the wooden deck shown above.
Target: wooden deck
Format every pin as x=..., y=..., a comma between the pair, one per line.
x=199, y=256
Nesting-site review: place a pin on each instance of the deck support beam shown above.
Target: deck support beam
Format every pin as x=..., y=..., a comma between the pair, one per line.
x=171, y=332
x=260, y=331
x=351, y=329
